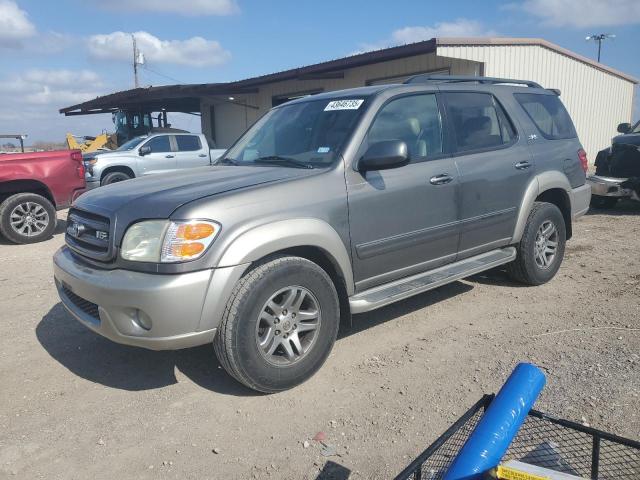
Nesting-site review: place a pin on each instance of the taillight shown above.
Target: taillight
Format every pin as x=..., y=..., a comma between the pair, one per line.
x=582, y=155
x=76, y=155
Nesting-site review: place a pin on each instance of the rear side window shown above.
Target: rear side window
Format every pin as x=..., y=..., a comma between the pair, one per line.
x=479, y=121
x=159, y=144
x=188, y=143
x=549, y=115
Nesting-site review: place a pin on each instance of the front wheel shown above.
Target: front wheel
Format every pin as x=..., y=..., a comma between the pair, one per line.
x=27, y=218
x=279, y=325
x=541, y=249
x=114, y=177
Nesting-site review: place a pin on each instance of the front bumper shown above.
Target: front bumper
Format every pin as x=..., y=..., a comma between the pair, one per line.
x=91, y=184
x=580, y=200
x=159, y=312
x=608, y=186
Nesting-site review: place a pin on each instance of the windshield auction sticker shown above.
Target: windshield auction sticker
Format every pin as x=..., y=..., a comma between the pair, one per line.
x=351, y=104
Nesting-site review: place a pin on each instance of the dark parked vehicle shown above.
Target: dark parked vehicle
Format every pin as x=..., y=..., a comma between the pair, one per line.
x=617, y=169
x=330, y=205
x=32, y=186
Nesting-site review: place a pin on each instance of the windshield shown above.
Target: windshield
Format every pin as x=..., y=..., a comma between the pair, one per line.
x=636, y=129
x=308, y=134
x=131, y=144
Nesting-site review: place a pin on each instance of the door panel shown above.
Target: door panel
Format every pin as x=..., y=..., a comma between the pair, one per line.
x=495, y=167
x=401, y=223
x=190, y=152
x=161, y=159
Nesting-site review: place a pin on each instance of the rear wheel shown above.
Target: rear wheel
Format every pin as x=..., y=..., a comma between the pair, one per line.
x=600, y=202
x=541, y=249
x=27, y=218
x=114, y=177
x=279, y=325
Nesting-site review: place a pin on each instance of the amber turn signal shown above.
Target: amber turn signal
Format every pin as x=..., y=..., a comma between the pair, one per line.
x=194, y=231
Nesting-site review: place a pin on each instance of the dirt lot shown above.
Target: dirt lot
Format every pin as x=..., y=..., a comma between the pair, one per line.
x=73, y=405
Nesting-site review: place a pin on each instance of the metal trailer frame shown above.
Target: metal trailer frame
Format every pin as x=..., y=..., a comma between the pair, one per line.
x=543, y=440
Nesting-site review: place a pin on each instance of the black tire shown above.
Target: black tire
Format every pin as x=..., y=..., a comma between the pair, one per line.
x=603, y=203
x=525, y=268
x=114, y=177
x=236, y=340
x=39, y=218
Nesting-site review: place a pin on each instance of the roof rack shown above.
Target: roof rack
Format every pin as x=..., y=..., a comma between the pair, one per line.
x=428, y=78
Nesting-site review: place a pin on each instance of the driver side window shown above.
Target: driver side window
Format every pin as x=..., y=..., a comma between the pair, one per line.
x=159, y=144
x=413, y=119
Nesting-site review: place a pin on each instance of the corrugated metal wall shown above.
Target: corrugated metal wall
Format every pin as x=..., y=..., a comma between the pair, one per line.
x=597, y=101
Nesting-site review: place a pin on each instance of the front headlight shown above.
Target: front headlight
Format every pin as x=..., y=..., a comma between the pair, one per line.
x=168, y=242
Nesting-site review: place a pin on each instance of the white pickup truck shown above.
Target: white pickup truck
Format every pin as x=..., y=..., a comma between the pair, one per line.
x=148, y=155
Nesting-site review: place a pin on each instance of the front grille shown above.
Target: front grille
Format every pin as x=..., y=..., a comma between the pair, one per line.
x=88, y=234
x=86, y=306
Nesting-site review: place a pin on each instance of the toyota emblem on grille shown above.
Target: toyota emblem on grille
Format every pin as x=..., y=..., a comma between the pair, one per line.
x=76, y=229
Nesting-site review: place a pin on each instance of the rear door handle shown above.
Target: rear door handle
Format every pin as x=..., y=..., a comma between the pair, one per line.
x=169, y=156
x=522, y=165
x=441, y=179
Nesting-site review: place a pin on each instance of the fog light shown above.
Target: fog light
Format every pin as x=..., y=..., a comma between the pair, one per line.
x=142, y=319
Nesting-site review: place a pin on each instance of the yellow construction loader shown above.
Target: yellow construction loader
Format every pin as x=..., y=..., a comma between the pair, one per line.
x=104, y=141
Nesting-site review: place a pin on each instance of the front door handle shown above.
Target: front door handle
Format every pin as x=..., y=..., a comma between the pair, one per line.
x=202, y=155
x=441, y=179
x=169, y=156
x=522, y=165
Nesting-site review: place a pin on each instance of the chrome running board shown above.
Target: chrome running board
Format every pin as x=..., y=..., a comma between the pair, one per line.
x=407, y=287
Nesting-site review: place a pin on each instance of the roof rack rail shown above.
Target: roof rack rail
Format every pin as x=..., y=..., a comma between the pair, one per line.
x=428, y=78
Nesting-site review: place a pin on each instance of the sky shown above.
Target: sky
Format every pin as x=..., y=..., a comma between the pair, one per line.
x=55, y=53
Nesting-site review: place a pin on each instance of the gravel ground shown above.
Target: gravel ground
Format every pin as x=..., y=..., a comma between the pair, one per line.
x=74, y=405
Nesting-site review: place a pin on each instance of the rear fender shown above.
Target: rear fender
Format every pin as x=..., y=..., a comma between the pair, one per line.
x=538, y=185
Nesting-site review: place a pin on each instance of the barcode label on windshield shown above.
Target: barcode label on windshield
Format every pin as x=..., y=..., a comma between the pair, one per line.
x=351, y=104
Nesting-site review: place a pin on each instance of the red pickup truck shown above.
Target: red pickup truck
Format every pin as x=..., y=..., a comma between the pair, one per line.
x=32, y=187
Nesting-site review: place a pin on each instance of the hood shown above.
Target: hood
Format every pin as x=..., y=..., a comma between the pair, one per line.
x=627, y=139
x=108, y=153
x=158, y=196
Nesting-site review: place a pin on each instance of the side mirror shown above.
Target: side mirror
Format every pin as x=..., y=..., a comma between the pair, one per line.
x=146, y=150
x=624, y=128
x=384, y=155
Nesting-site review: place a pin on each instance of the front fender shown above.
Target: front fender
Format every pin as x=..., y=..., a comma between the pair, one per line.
x=263, y=240
x=539, y=184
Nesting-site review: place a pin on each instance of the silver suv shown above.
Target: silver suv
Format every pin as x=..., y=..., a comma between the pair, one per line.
x=330, y=205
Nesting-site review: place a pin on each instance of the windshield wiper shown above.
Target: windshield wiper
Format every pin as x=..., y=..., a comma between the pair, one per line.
x=277, y=159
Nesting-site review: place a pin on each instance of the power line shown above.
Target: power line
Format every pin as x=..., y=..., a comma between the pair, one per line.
x=146, y=67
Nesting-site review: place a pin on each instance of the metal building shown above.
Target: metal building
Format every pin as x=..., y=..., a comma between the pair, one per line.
x=597, y=96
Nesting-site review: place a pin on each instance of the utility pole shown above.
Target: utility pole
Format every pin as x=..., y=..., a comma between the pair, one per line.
x=599, y=38
x=136, y=57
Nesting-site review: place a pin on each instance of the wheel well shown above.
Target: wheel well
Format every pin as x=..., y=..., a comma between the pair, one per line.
x=321, y=258
x=118, y=168
x=560, y=199
x=25, y=186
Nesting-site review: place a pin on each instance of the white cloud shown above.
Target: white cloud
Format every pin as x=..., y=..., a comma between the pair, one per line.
x=583, y=13
x=461, y=27
x=30, y=102
x=183, y=7
x=194, y=52
x=14, y=24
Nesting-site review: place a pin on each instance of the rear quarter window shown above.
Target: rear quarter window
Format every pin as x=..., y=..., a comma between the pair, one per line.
x=548, y=114
x=188, y=143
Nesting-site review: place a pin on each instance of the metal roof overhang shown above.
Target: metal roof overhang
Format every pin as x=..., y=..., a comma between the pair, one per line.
x=186, y=98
